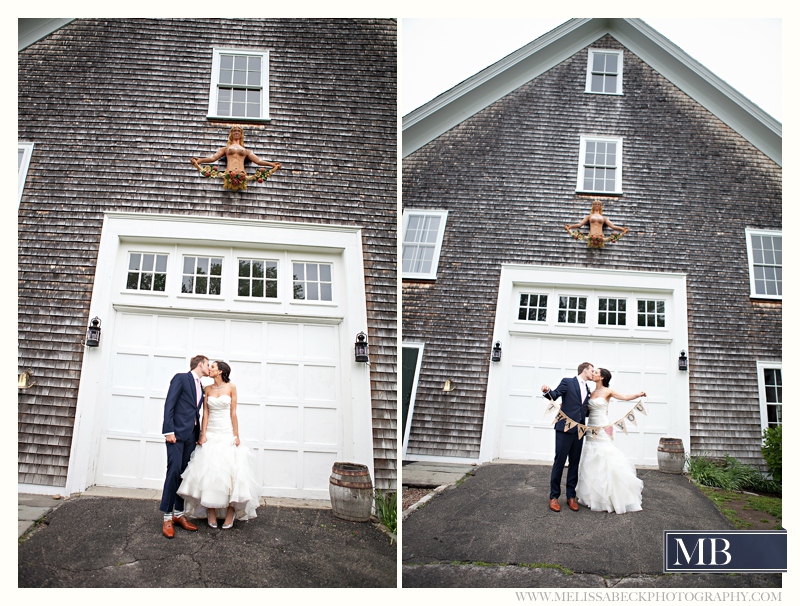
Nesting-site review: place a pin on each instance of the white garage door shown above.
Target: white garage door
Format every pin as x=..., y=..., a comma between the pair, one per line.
x=527, y=433
x=280, y=302
x=549, y=321
x=287, y=379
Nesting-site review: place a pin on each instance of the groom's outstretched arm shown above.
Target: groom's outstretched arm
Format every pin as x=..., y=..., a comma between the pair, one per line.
x=555, y=394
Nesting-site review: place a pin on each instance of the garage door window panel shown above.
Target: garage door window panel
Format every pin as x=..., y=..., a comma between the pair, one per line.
x=258, y=278
x=147, y=272
x=313, y=281
x=532, y=307
x=611, y=312
x=571, y=310
x=651, y=313
x=202, y=275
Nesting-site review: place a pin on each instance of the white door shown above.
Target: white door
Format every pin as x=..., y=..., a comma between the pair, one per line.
x=527, y=433
x=280, y=302
x=549, y=321
x=289, y=397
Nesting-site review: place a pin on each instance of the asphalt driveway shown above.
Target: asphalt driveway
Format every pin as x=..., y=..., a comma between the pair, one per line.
x=117, y=542
x=495, y=529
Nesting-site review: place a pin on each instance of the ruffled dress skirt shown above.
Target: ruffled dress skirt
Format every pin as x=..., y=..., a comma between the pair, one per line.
x=220, y=474
x=607, y=480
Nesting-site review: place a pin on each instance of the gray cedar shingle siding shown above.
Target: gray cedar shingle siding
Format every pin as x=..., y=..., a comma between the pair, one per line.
x=117, y=107
x=507, y=177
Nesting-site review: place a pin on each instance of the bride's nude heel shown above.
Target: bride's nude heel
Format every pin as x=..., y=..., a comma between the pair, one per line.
x=233, y=517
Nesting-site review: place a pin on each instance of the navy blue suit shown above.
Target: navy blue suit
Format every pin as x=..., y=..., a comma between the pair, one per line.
x=181, y=417
x=568, y=445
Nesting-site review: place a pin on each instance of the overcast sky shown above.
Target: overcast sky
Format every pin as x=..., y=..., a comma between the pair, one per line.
x=437, y=54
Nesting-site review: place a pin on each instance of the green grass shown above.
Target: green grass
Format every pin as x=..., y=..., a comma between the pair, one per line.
x=770, y=505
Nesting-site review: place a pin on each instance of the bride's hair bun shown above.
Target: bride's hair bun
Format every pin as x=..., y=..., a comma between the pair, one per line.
x=225, y=369
x=606, y=376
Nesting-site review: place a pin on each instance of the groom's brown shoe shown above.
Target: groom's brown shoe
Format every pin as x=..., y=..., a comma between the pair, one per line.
x=573, y=504
x=184, y=523
x=167, y=529
x=554, y=505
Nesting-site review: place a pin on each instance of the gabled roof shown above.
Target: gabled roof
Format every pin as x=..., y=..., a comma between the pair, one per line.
x=487, y=86
x=33, y=30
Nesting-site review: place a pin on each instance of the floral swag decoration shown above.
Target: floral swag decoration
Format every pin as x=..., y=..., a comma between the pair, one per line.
x=593, y=430
x=235, y=180
x=595, y=241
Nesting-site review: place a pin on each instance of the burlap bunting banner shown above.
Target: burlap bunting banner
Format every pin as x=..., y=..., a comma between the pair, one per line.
x=592, y=430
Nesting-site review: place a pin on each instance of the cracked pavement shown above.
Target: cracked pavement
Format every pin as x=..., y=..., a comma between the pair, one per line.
x=117, y=542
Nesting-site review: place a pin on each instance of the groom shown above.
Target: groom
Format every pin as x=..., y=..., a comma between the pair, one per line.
x=574, y=394
x=181, y=431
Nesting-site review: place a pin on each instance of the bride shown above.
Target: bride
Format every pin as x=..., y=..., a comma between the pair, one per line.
x=607, y=480
x=220, y=474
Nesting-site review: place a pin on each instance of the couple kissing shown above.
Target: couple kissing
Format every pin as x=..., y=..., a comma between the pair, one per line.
x=601, y=478
x=209, y=472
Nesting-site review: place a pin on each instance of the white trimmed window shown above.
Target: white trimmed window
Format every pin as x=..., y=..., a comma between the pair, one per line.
x=604, y=71
x=24, y=152
x=423, y=231
x=258, y=278
x=770, y=393
x=571, y=310
x=600, y=165
x=313, y=281
x=532, y=307
x=239, y=85
x=651, y=313
x=765, y=259
x=611, y=312
x=147, y=272
x=202, y=275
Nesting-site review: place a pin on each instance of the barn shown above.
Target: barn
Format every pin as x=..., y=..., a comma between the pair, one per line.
x=498, y=297
x=118, y=231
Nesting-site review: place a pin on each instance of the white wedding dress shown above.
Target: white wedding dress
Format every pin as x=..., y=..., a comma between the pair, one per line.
x=607, y=480
x=220, y=473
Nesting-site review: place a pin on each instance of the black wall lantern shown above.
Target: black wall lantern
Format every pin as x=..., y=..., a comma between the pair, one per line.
x=497, y=351
x=362, y=348
x=683, y=361
x=93, y=334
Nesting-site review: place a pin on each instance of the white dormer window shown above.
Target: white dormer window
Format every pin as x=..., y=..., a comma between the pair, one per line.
x=604, y=71
x=600, y=168
x=239, y=85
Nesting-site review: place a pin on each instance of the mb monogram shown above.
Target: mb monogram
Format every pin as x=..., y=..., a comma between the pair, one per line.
x=731, y=551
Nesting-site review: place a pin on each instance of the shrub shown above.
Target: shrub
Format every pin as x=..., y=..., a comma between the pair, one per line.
x=729, y=474
x=772, y=451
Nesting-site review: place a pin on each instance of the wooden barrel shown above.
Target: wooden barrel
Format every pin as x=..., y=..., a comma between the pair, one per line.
x=671, y=458
x=351, y=492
